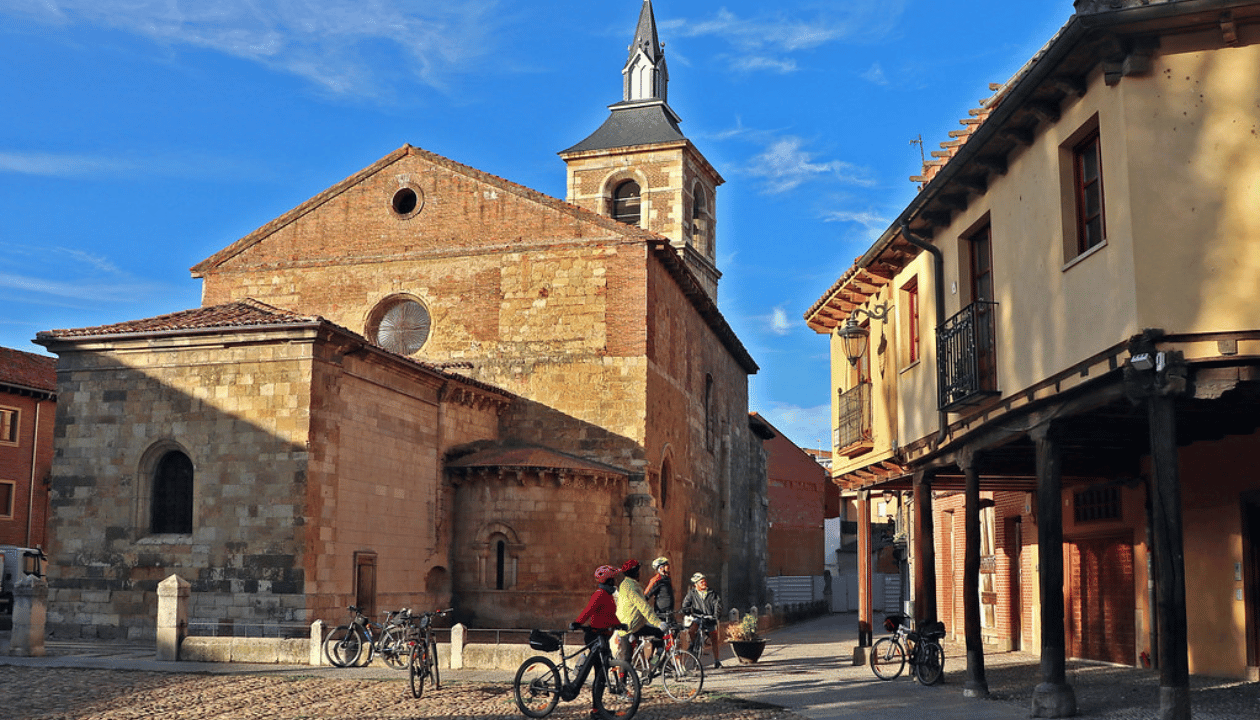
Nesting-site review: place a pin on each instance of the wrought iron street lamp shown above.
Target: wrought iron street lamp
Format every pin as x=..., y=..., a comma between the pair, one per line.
x=855, y=337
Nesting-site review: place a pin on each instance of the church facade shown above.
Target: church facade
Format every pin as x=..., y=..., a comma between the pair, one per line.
x=425, y=386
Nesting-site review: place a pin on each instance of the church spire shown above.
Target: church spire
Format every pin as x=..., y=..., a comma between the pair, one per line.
x=645, y=74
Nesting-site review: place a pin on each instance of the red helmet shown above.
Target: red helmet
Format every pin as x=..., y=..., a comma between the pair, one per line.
x=629, y=565
x=604, y=573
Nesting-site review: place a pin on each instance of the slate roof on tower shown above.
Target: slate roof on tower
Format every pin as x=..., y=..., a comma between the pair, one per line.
x=643, y=117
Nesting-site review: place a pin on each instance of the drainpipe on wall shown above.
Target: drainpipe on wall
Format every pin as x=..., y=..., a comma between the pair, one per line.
x=30, y=503
x=938, y=266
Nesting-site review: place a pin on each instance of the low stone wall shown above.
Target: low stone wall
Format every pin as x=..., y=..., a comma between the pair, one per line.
x=246, y=650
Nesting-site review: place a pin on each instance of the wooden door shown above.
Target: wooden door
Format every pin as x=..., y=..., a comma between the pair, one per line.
x=365, y=583
x=1101, y=624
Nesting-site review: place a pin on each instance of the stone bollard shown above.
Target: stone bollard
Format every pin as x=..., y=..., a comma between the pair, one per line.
x=458, y=633
x=317, y=643
x=30, y=610
x=172, y=616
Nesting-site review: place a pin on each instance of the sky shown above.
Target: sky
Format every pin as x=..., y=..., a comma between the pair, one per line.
x=139, y=137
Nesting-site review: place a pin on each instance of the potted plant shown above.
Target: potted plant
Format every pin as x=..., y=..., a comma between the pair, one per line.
x=744, y=641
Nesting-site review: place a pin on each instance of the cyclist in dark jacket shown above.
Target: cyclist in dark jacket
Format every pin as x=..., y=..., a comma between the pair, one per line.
x=660, y=589
x=700, y=602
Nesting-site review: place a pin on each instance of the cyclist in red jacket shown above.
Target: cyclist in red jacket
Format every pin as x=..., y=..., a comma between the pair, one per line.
x=600, y=615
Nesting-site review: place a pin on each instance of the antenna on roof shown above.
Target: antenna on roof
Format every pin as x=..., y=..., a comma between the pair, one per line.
x=919, y=141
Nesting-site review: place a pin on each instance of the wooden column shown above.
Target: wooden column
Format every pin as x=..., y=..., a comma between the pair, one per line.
x=1170, y=568
x=865, y=569
x=976, y=685
x=1053, y=697
x=924, y=549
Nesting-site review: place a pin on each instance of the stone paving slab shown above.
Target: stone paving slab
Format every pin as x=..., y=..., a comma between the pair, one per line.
x=806, y=672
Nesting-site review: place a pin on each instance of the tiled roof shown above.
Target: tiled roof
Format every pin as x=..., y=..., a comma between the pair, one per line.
x=246, y=313
x=531, y=457
x=28, y=370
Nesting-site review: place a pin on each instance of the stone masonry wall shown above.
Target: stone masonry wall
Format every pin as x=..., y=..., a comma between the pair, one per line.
x=240, y=414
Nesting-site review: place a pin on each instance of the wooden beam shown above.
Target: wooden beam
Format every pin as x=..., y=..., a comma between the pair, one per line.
x=992, y=163
x=1047, y=111
x=1071, y=84
x=1023, y=136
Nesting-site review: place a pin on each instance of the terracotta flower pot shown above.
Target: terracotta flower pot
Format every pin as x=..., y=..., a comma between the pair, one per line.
x=748, y=651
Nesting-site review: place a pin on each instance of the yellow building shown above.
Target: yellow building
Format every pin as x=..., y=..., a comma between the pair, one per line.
x=1059, y=339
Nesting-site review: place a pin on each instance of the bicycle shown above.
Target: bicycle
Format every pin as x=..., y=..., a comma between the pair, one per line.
x=423, y=658
x=921, y=649
x=682, y=674
x=706, y=625
x=539, y=685
x=344, y=644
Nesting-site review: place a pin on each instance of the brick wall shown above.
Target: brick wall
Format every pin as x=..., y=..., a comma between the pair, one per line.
x=25, y=525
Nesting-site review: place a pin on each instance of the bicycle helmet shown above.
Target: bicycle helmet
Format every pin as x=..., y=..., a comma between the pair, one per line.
x=697, y=578
x=604, y=573
x=658, y=562
x=629, y=565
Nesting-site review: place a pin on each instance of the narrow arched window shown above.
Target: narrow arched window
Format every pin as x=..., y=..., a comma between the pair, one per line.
x=666, y=477
x=699, y=223
x=709, y=418
x=626, y=203
x=500, y=565
x=172, y=508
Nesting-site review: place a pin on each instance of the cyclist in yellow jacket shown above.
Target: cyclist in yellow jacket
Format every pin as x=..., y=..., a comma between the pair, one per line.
x=635, y=611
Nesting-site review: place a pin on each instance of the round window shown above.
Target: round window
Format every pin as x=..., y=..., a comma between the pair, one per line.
x=407, y=201
x=401, y=326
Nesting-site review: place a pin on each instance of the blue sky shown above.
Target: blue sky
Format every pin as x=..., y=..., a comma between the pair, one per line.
x=138, y=137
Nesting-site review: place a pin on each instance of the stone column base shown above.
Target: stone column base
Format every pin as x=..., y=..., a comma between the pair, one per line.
x=861, y=655
x=1174, y=703
x=1053, y=701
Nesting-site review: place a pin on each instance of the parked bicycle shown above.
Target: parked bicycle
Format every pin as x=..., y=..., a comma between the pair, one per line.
x=922, y=649
x=681, y=673
x=539, y=685
x=423, y=659
x=358, y=642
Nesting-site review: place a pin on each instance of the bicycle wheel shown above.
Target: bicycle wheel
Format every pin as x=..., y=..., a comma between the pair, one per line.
x=342, y=646
x=616, y=691
x=641, y=663
x=683, y=676
x=537, y=687
x=417, y=669
x=433, y=666
x=931, y=666
x=888, y=658
x=393, y=644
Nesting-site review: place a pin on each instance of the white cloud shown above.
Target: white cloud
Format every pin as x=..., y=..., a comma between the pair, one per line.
x=779, y=322
x=81, y=277
x=808, y=427
x=785, y=165
x=90, y=166
x=865, y=19
x=755, y=64
x=875, y=74
x=54, y=165
x=323, y=41
x=875, y=224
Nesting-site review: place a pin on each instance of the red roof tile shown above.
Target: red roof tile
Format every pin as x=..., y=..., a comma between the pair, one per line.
x=531, y=457
x=38, y=372
x=246, y=313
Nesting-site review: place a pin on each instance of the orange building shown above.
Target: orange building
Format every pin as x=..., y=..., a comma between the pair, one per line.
x=1053, y=355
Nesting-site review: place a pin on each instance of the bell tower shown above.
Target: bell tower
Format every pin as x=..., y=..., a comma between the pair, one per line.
x=640, y=169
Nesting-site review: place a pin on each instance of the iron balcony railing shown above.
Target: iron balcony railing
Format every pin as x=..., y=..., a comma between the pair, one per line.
x=967, y=360
x=853, y=425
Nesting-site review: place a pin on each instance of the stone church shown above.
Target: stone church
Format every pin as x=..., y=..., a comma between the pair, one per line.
x=425, y=386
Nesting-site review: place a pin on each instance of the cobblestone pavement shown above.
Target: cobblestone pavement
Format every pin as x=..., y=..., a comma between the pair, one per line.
x=44, y=693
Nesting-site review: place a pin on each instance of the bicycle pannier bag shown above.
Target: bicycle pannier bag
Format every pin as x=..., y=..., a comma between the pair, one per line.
x=545, y=641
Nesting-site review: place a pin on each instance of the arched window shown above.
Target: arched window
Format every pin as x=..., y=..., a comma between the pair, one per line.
x=699, y=221
x=709, y=418
x=500, y=564
x=626, y=203
x=667, y=473
x=172, y=506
